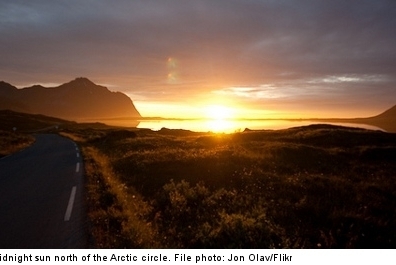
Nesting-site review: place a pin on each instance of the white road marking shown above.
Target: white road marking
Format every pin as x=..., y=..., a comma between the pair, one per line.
x=70, y=204
x=77, y=167
x=78, y=155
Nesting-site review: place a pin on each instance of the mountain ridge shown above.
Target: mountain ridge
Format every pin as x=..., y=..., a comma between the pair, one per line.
x=386, y=120
x=387, y=114
x=77, y=99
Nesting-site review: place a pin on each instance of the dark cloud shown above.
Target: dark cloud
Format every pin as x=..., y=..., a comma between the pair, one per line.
x=312, y=50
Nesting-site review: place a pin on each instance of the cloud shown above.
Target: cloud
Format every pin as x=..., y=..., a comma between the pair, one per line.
x=278, y=49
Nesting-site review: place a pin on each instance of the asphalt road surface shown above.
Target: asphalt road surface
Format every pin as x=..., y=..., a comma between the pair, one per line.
x=41, y=196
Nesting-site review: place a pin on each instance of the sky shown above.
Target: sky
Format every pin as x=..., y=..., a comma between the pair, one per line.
x=173, y=58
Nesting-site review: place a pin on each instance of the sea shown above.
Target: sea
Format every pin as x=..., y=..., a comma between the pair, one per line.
x=224, y=126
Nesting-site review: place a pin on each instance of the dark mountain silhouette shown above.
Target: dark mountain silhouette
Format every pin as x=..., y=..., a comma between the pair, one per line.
x=389, y=114
x=77, y=99
x=386, y=120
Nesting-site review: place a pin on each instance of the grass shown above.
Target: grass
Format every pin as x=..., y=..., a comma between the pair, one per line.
x=11, y=142
x=309, y=187
x=116, y=212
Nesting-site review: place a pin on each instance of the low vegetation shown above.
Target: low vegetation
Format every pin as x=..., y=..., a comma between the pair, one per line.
x=117, y=213
x=12, y=142
x=308, y=187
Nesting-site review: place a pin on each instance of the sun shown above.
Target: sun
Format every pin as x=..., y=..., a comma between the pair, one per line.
x=218, y=112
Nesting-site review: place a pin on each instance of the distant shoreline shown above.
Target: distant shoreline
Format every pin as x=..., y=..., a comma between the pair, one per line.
x=384, y=124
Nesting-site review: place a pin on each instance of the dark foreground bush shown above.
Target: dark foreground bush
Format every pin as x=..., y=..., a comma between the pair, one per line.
x=195, y=217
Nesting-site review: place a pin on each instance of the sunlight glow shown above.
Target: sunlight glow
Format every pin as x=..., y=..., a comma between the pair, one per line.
x=218, y=112
x=221, y=126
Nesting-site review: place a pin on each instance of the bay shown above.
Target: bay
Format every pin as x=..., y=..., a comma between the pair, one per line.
x=231, y=126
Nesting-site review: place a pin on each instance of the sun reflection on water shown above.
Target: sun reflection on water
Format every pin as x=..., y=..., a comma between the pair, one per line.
x=229, y=125
x=220, y=125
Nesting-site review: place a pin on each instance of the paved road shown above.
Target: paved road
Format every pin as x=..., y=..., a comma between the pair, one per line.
x=41, y=196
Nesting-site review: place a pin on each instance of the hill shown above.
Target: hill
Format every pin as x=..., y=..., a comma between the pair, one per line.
x=23, y=122
x=389, y=114
x=77, y=99
x=34, y=123
x=385, y=120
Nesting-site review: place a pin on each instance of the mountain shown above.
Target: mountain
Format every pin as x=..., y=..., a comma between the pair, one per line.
x=386, y=120
x=389, y=114
x=77, y=99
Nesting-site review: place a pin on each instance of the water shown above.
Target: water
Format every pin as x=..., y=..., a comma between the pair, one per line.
x=231, y=126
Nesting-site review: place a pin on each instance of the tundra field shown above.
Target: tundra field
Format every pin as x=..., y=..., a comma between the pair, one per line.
x=317, y=186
